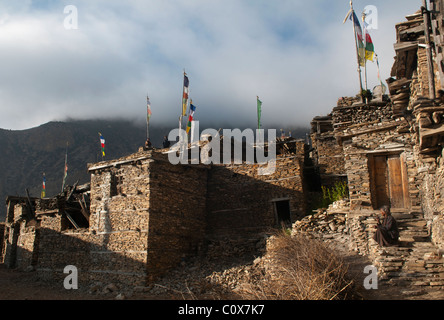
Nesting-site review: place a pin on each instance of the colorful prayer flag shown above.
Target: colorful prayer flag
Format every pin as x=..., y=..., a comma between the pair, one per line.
x=43, y=187
x=186, y=84
x=102, y=144
x=65, y=175
x=360, y=39
x=369, y=47
x=148, y=111
x=191, y=117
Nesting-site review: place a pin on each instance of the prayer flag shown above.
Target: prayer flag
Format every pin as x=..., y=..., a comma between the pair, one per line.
x=43, y=187
x=191, y=117
x=148, y=112
x=360, y=39
x=186, y=84
x=369, y=47
x=66, y=168
x=102, y=144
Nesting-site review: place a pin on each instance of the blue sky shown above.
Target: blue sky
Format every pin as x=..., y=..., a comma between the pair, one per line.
x=296, y=55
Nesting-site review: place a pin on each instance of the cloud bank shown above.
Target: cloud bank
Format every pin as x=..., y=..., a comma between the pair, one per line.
x=296, y=55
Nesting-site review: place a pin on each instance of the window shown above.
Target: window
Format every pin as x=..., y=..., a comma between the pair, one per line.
x=283, y=213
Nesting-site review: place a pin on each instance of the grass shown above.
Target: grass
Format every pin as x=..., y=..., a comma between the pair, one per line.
x=299, y=268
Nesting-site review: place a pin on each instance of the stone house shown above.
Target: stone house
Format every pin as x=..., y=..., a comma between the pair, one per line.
x=140, y=215
x=391, y=148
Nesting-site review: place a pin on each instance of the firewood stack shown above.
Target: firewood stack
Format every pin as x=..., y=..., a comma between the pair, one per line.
x=399, y=94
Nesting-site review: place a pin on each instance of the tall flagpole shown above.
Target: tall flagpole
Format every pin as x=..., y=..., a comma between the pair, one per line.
x=364, y=29
x=356, y=43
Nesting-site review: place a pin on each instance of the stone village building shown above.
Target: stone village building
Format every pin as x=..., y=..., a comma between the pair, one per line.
x=140, y=215
x=389, y=149
x=390, y=152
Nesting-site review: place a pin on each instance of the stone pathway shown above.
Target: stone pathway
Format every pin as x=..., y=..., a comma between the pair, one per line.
x=412, y=270
x=415, y=266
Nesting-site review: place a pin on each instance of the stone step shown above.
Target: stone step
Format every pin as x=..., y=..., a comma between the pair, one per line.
x=413, y=238
x=413, y=223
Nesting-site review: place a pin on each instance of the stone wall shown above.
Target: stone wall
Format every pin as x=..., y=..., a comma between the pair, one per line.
x=27, y=247
x=240, y=201
x=432, y=199
x=349, y=112
x=177, y=214
x=328, y=158
x=146, y=216
x=377, y=139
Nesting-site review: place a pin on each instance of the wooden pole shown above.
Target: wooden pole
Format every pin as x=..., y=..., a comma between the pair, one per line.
x=431, y=73
x=365, y=48
x=357, y=47
x=147, y=117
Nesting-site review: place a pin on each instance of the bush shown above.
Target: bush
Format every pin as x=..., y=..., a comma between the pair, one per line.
x=329, y=195
x=338, y=192
x=300, y=268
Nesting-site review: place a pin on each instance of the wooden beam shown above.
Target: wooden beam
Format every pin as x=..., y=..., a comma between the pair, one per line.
x=431, y=74
x=405, y=46
x=72, y=220
x=427, y=133
x=83, y=206
x=72, y=191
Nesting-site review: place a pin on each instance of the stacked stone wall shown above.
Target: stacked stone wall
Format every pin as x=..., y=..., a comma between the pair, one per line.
x=240, y=201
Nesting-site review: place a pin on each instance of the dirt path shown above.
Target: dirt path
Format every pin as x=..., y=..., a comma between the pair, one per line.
x=19, y=285
x=16, y=285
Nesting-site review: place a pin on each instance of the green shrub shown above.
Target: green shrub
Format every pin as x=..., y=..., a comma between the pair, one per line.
x=338, y=192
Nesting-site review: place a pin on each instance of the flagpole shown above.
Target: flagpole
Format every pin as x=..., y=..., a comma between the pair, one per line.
x=383, y=87
x=258, y=117
x=147, y=118
x=356, y=44
x=365, y=49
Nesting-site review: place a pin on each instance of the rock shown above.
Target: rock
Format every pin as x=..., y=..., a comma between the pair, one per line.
x=95, y=288
x=110, y=288
x=29, y=269
x=120, y=296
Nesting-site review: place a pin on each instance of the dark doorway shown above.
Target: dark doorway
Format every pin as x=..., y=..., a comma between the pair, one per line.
x=283, y=212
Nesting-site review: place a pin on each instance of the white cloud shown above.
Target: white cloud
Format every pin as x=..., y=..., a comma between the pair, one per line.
x=297, y=56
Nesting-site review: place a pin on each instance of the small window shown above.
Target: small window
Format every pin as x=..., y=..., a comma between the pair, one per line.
x=283, y=213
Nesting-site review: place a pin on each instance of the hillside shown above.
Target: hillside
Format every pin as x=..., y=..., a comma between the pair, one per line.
x=26, y=154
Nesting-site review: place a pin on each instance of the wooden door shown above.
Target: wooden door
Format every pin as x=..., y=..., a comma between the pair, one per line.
x=395, y=182
x=389, y=182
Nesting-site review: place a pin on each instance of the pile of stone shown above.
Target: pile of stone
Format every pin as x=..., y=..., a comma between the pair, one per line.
x=399, y=94
x=328, y=224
